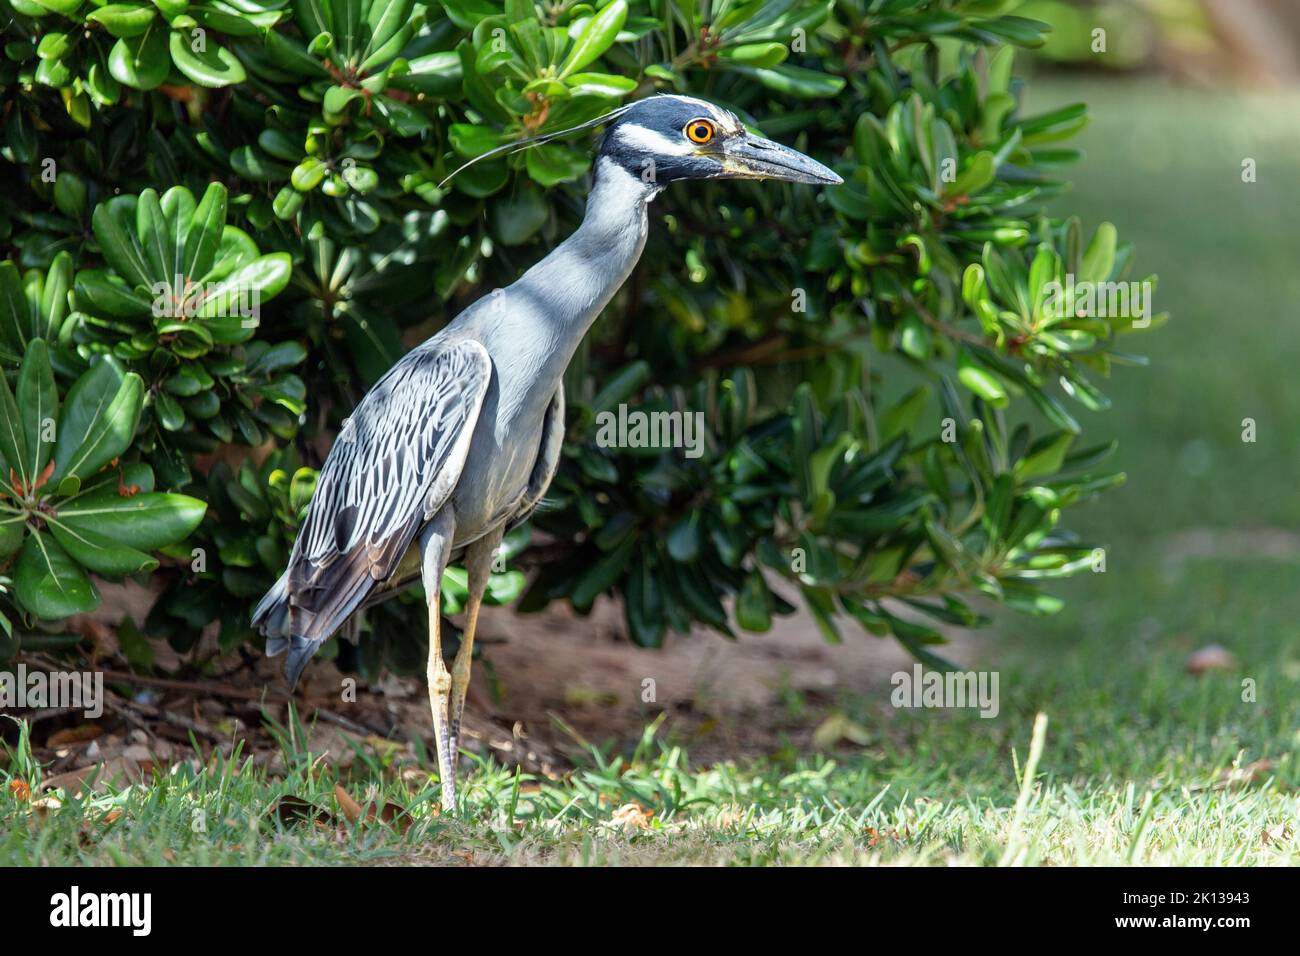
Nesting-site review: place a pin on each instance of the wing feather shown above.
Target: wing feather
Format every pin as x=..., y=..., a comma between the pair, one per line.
x=395, y=463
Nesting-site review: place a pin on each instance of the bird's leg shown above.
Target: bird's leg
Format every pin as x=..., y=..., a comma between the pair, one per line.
x=435, y=550
x=478, y=566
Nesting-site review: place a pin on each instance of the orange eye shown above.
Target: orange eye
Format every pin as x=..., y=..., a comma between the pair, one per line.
x=699, y=131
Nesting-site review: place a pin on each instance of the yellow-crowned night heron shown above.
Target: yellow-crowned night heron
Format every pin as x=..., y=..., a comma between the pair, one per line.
x=459, y=440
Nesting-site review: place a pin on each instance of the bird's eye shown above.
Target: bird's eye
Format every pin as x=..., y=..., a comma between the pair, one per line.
x=699, y=131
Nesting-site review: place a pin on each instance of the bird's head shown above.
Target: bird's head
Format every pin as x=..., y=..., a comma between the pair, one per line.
x=666, y=138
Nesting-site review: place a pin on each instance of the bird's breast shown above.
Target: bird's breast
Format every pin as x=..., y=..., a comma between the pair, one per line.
x=502, y=452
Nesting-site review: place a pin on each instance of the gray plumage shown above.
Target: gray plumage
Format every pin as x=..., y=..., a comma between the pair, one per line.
x=442, y=429
x=460, y=439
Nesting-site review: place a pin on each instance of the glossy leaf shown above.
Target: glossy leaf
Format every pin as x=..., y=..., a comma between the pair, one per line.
x=49, y=583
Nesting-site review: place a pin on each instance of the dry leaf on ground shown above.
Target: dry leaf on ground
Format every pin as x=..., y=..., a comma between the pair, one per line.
x=1212, y=657
x=632, y=816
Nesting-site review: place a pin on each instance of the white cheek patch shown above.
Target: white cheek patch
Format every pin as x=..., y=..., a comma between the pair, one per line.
x=623, y=184
x=649, y=141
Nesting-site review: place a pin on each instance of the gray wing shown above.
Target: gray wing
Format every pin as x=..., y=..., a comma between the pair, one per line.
x=539, y=479
x=548, y=460
x=395, y=463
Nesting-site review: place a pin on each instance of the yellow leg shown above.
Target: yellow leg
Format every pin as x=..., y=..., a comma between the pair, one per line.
x=439, y=701
x=478, y=565
x=460, y=671
x=435, y=549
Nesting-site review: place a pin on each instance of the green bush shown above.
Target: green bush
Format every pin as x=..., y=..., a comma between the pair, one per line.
x=885, y=380
x=66, y=508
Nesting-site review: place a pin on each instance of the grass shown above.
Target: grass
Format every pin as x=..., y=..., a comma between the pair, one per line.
x=1138, y=761
x=1164, y=165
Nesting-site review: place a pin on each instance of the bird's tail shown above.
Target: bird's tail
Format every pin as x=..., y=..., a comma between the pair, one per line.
x=271, y=616
x=275, y=617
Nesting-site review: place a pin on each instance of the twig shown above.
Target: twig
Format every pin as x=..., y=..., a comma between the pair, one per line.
x=170, y=717
x=196, y=687
x=348, y=724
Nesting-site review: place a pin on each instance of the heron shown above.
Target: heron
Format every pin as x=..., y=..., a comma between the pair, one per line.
x=457, y=443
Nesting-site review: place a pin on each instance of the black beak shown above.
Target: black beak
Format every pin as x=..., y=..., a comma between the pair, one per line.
x=752, y=157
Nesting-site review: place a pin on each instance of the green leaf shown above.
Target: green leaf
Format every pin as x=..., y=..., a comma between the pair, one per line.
x=155, y=239
x=915, y=338
x=1099, y=257
x=49, y=583
x=98, y=421
x=505, y=588
x=101, y=86
x=601, y=576
x=1019, y=30
x=288, y=54
x=13, y=443
x=385, y=19
x=277, y=358
x=171, y=9
x=145, y=521
x=1045, y=456
x=337, y=98
x=469, y=140
x=101, y=554
x=204, y=235
x=135, y=646
x=492, y=56
x=38, y=403
x=12, y=529
x=517, y=218
x=625, y=383
x=178, y=208
x=600, y=84
x=211, y=65
x=437, y=74
x=900, y=418
x=980, y=380
x=141, y=62
x=979, y=172
x=170, y=414
x=117, y=240
x=361, y=178
x=683, y=540
x=754, y=604
x=53, y=308
x=14, y=309
x=398, y=118
x=550, y=164
x=477, y=91
x=795, y=80
x=257, y=281
x=53, y=46
x=123, y=19
x=643, y=604
x=765, y=55
x=70, y=195
x=65, y=7
x=596, y=37
x=308, y=174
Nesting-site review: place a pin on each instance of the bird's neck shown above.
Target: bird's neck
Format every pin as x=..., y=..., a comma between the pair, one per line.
x=577, y=280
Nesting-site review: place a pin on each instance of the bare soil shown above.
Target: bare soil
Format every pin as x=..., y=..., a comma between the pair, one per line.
x=546, y=686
